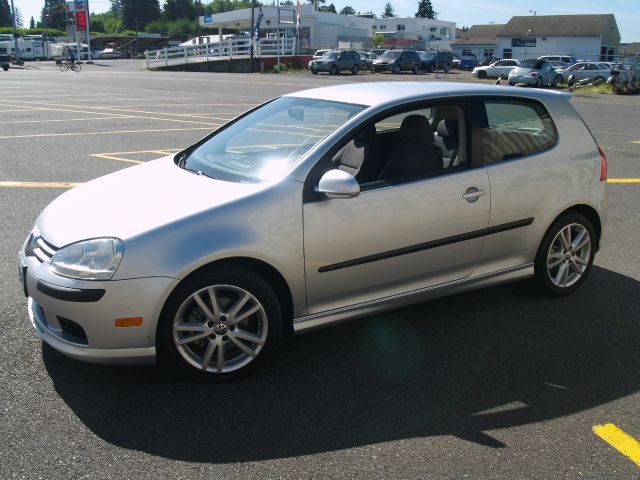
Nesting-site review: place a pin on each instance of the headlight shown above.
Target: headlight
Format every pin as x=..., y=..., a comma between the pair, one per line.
x=95, y=259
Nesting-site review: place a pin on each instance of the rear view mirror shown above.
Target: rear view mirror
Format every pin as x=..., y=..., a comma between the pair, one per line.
x=338, y=184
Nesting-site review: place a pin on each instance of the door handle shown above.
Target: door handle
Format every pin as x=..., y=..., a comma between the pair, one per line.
x=472, y=194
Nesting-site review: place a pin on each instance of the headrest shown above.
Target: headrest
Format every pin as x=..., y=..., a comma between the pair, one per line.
x=416, y=129
x=448, y=128
x=365, y=136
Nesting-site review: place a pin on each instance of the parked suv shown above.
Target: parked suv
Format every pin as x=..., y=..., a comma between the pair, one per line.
x=397, y=60
x=335, y=61
x=430, y=61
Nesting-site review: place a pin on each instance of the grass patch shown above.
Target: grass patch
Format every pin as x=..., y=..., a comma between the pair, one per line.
x=603, y=89
x=282, y=68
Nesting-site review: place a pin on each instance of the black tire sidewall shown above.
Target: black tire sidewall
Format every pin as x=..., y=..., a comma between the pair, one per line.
x=244, y=279
x=541, y=274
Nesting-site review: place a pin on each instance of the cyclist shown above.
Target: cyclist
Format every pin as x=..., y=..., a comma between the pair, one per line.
x=71, y=57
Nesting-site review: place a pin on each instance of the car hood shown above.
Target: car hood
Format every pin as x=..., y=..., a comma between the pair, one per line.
x=133, y=201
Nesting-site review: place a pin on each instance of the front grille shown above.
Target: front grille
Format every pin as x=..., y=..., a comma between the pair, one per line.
x=39, y=248
x=73, y=330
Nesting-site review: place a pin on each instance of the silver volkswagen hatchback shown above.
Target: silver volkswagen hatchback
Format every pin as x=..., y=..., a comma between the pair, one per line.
x=313, y=208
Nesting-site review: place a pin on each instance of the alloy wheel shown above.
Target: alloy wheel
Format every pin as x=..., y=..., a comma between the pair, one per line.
x=568, y=256
x=220, y=328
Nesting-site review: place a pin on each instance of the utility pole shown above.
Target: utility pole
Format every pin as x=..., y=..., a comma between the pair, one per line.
x=88, y=17
x=253, y=5
x=15, y=33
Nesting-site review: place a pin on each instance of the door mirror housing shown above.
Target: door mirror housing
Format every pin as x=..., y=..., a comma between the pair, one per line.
x=338, y=184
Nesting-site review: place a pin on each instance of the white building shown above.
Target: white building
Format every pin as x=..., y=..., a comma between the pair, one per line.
x=331, y=30
x=429, y=33
x=317, y=29
x=589, y=37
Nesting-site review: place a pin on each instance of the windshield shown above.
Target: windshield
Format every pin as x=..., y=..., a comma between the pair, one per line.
x=391, y=54
x=263, y=145
x=427, y=56
x=531, y=63
x=330, y=55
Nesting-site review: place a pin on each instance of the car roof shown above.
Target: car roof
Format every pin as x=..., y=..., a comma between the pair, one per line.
x=376, y=94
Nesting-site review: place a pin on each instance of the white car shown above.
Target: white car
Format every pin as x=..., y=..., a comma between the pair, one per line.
x=499, y=69
x=581, y=70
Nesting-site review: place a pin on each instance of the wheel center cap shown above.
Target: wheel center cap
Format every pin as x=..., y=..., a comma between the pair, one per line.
x=220, y=329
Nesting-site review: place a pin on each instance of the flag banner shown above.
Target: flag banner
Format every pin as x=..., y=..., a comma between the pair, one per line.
x=256, y=29
x=297, y=15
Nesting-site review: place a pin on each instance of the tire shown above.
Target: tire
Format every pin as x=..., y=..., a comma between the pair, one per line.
x=5, y=66
x=76, y=67
x=555, y=81
x=416, y=69
x=64, y=67
x=333, y=70
x=396, y=69
x=565, y=256
x=539, y=82
x=512, y=83
x=314, y=71
x=355, y=69
x=217, y=343
x=482, y=74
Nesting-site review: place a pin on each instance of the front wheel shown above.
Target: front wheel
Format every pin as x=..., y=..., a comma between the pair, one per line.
x=333, y=70
x=314, y=71
x=555, y=81
x=5, y=67
x=355, y=69
x=416, y=69
x=220, y=325
x=396, y=69
x=565, y=255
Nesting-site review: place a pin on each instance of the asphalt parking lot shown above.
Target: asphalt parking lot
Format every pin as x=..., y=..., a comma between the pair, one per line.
x=500, y=383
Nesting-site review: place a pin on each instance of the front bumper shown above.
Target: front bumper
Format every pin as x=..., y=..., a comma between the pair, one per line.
x=384, y=68
x=82, y=326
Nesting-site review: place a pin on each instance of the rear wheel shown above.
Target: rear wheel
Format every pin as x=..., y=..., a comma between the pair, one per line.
x=396, y=69
x=416, y=69
x=512, y=83
x=565, y=255
x=555, y=81
x=220, y=325
x=64, y=66
x=76, y=67
x=539, y=82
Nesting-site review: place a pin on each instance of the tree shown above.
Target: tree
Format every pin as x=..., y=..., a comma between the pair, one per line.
x=5, y=14
x=56, y=13
x=175, y=9
x=137, y=13
x=32, y=23
x=425, y=9
x=19, y=20
x=328, y=8
x=116, y=7
x=389, y=11
x=219, y=6
x=347, y=11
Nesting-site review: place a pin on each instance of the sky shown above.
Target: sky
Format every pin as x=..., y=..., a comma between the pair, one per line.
x=463, y=12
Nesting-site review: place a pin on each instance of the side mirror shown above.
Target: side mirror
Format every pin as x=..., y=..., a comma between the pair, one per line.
x=338, y=184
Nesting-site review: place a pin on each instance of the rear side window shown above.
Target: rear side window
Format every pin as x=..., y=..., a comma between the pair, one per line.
x=516, y=128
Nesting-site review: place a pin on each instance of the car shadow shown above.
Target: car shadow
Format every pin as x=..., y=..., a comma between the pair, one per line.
x=462, y=365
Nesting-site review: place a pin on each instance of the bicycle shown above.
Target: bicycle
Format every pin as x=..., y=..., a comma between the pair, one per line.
x=66, y=65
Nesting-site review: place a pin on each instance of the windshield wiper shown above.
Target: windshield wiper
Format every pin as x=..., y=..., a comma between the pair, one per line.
x=197, y=172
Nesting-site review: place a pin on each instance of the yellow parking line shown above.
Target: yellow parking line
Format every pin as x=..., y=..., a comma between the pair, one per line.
x=109, y=157
x=38, y=184
x=619, y=440
x=634, y=141
x=80, y=134
x=117, y=155
x=623, y=180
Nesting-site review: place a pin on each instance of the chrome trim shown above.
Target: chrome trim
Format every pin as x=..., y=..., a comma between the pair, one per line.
x=316, y=320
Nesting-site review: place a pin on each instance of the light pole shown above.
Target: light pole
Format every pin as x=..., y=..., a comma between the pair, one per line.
x=15, y=34
x=46, y=36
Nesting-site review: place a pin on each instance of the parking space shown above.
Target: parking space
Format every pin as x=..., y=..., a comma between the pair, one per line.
x=500, y=383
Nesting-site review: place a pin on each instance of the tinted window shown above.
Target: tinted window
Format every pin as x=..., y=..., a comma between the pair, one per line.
x=516, y=128
x=531, y=63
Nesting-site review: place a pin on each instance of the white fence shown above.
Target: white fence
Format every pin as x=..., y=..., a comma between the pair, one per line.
x=227, y=49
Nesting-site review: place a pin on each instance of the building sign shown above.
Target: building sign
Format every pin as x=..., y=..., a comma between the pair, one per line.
x=523, y=42
x=208, y=19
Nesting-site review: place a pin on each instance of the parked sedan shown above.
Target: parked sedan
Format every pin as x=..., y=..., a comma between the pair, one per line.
x=499, y=69
x=210, y=256
x=592, y=70
x=534, y=72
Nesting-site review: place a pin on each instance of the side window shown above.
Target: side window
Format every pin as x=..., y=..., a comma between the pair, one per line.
x=414, y=144
x=516, y=128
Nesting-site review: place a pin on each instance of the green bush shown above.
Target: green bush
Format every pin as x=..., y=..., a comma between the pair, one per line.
x=52, y=32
